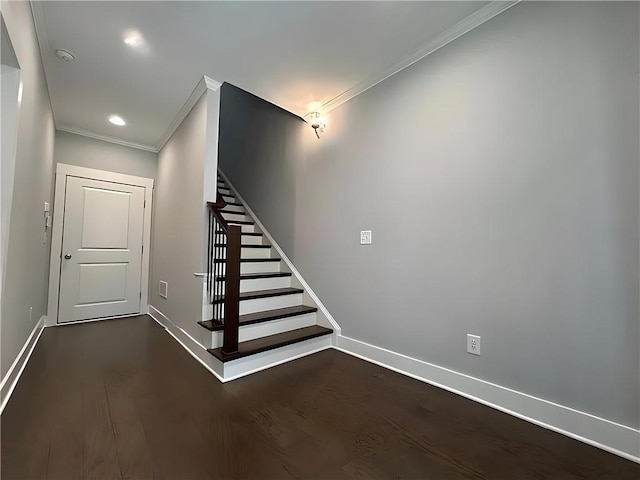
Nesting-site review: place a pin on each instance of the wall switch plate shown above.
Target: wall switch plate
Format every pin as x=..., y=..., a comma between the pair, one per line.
x=365, y=237
x=46, y=207
x=163, y=290
x=473, y=344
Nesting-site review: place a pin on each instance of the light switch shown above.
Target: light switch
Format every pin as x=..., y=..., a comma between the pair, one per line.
x=365, y=237
x=46, y=207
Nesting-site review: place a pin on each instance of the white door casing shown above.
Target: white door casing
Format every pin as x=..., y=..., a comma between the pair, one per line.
x=101, y=250
x=105, y=218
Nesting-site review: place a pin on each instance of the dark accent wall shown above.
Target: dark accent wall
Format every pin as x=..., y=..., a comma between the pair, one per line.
x=260, y=149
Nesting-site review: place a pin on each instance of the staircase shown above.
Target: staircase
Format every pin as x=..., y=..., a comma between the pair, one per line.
x=275, y=325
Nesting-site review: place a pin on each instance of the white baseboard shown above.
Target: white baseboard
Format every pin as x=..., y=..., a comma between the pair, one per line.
x=92, y=320
x=601, y=433
x=12, y=376
x=272, y=358
x=314, y=298
x=189, y=343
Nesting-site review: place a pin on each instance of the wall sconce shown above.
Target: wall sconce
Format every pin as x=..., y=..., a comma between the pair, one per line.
x=317, y=123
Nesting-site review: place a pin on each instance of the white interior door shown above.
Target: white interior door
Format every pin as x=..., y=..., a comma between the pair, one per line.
x=101, y=262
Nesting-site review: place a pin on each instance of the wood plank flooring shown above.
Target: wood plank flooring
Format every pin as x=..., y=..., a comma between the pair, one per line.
x=121, y=399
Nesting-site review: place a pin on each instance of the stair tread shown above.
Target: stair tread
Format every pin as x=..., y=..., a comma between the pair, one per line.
x=254, y=276
x=274, y=292
x=251, y=234
x=244, y=245
x=233, y=212
x=271, y=342
x=240, y=222
x=271, y=259
x=264, y=316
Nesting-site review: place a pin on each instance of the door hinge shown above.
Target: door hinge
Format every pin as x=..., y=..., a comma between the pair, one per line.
x=142, y=248
x=145, y=204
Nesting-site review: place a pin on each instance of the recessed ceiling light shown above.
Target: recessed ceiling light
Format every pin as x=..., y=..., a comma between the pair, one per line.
x=64, y=55
x=117, y=120
x=133, y=38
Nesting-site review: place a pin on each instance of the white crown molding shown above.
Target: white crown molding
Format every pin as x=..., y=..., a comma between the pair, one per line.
x=203, y=85
x=463, y=26
x=210, y=83
x=43, y=44
x=104, y=138
x=45, y=47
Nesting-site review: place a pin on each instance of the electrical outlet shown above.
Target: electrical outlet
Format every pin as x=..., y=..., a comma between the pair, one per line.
x=473, y=344
x=365, y=237
x=163, y=290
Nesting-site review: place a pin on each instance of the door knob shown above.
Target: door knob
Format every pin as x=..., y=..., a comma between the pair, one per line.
x=67, y=256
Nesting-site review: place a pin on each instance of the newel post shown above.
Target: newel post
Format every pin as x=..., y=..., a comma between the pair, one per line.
x=232, y=291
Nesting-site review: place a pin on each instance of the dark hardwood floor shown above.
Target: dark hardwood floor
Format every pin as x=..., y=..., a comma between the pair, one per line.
x=121, y=399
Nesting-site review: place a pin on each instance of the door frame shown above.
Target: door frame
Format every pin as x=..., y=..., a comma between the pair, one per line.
x=62, y=172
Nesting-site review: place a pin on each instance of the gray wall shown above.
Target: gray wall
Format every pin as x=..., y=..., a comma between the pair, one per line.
x=91, y=153
x=179, y=220
x=27, y=266
x=500, y=177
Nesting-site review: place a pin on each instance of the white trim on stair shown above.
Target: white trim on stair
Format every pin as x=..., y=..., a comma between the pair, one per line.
x=610, y=436
x=105, y=138
x=336, y=327
x=12, y=376
x=203, y=85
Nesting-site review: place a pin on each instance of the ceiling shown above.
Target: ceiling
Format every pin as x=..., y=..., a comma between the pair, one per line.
x=298, y=55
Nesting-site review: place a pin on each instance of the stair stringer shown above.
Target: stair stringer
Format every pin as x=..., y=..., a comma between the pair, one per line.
x=324, y=318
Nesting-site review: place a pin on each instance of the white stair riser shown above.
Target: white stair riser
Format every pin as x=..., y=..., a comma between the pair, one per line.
x=234, y=208
x=240, y=216
x=229, y=198
x=251, y=240
x=260, y=267
x=272, y=327
x=270, y=303
x=264, y=284
x=255, y=252
x=260, y=361
x=257, y=267
x=225, y=191
x=248, y=252
x=248, y=228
